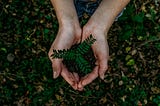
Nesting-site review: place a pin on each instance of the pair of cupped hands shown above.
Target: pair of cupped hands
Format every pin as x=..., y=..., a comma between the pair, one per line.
x=70, y=34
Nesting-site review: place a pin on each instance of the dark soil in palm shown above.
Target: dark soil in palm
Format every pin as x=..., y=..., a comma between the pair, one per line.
x=72, y=67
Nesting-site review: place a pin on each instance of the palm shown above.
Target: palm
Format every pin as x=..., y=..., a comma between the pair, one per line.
x=64, y=40
x=101, y=52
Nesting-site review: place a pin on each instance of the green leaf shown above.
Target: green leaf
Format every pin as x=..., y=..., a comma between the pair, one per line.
x=4, y=49
x=127, y=35
x=157, y=45
x=26, y=19
x=85, y=45
x=131, y=62
x=46, y=31
x=76, y=54
x=138, y=18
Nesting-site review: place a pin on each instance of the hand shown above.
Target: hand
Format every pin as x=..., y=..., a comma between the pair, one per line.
x=66, y=37
x=101, y=52
x=98, y=25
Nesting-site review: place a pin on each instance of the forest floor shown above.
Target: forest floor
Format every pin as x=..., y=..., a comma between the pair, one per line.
x=27, y=30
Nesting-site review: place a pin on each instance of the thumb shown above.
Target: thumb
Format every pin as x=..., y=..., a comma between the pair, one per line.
x=56, y=66
x=103, y=68
x=88, y=78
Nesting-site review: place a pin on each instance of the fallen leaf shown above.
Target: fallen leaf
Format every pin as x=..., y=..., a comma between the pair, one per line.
x=133, y=52
x=131, y=62
x=103, y=100
x=120, y=83
x=128, y=49
x=128, y=57
x=10, y=57
x=155, y=90
x=58, y=97
x=139, y=103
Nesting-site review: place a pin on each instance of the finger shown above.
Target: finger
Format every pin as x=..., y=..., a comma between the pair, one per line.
x=69, y=78
x=102, y=58
x=80, y=89
x=103, y=66
x=76, y=76
x=57, y=67
x=56, y=64
x=77, y=79
x=88, y=78
x=49, y=55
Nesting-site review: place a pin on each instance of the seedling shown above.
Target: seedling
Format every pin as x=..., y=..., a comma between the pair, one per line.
x=79, y=58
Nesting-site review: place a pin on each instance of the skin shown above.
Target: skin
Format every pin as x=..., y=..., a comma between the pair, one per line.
x=70, y=33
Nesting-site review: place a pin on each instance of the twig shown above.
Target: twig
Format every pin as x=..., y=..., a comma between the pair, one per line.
x=77, y=94
x=12, y=75
x=149, y=41
x=89, y=97
x=33, y=32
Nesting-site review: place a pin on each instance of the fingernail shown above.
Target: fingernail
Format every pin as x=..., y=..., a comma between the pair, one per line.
x=55, y=75
x=80, y=85
x=74, y=86
x=102, y=76
x=80, y=89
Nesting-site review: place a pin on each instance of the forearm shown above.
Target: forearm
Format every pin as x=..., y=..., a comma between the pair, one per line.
x=107, y=11
x=65, y=11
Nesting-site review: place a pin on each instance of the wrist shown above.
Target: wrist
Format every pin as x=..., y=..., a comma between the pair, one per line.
x=97, y=26
x=68, y=22
x=106, y=13
x=65, y=12
x=103, y=20
x=70, y=28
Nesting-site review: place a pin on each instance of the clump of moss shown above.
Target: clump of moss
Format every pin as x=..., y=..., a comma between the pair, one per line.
x=79, y=58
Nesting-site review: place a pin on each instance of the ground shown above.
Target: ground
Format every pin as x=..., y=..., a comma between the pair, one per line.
x=28, y=28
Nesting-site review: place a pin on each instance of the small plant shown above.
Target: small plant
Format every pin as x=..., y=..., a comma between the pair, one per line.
x=79, y=58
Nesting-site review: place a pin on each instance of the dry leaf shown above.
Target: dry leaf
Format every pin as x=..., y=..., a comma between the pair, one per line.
x=58, y=97
x=103, y=100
